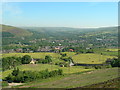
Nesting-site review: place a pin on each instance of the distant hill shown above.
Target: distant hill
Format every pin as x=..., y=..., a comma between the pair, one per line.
x=11, y=31
x=69, y=30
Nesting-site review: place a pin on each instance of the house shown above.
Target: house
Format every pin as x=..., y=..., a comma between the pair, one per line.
x=71, y=64
x=33, y=61
x=57, y=48
x=71, y=50
x=19, y=50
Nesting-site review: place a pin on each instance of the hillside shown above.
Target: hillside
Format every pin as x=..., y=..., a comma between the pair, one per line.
x=74, y=80
x=114, y=83
x=11, y=31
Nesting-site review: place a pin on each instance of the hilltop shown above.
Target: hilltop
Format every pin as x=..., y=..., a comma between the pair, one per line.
x=11, y=31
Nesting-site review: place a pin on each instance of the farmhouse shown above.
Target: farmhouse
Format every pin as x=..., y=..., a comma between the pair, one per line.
x=71, y=64
x=33, y=61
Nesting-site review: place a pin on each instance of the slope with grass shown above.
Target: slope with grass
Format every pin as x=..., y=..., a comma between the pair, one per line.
x=14, y=31
x=74, y=80
x=113, y=83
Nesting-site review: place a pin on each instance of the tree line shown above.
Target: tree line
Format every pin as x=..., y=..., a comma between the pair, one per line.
x=27, y=76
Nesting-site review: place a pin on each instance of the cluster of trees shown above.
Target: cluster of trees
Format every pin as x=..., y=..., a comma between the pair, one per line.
x=115, y=62
x=67, y=59
x=63, y=55
x=46, y=60
x=12, y=62
x=27, y=76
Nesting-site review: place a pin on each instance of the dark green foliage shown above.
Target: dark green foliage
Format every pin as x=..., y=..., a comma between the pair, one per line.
x=26, y=59
x=63, y=55
x=15, y=72
x=97, y=67
x=46, y=60
x=90, y=51
x=115, y=63
x=10, y=62
x=27, y=76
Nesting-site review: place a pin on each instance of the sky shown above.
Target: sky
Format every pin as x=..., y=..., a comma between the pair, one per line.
x=60, y=14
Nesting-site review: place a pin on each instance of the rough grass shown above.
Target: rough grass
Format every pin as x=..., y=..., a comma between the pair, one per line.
x=114, y=83
x=90, y=58
x=75, y=80
x=18, y=32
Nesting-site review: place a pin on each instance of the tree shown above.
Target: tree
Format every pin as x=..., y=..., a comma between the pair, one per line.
x=48, y=59
x=26, y=59
x=63, y=55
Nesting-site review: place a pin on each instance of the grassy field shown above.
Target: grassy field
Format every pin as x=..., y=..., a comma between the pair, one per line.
x=104, y=51
x=74, y=80
x=33, y=55
x=112, y=49
x=80, y=58
x=113, y=53
x=69, y=54
x=39, y=67
x=90, y=58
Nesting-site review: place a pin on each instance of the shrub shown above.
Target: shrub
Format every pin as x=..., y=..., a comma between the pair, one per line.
x=86, y=67
x=4, y=83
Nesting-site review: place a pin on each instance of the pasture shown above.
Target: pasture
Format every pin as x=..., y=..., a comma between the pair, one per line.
x=90, y=58
x=112, y=49
x=33, y=55
x=69, y=54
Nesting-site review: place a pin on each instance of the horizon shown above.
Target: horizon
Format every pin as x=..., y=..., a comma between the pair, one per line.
x=60, y=14
x=62, y=27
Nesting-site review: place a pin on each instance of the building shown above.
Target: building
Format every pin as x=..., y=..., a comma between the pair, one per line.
x=33, y=61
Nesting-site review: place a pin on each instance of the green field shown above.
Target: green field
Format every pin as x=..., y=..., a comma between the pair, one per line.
x=69, y=54
x=113, y=53
x=39, y=67
x=80, y=58
x=112, y=49
x=74, y=80
x=90, y=58
x=33, y=55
